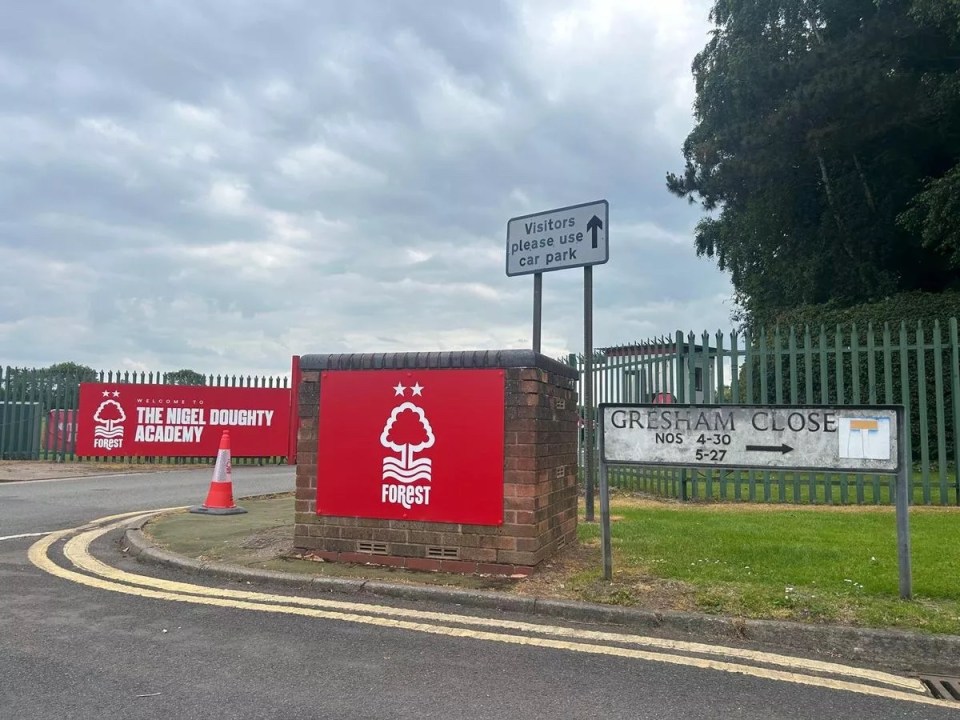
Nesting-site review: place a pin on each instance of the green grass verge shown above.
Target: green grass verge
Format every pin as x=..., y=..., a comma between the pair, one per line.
x=810, y=564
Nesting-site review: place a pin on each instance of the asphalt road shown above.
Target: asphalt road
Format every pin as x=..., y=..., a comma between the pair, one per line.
x=45, y=505
x=102, y=649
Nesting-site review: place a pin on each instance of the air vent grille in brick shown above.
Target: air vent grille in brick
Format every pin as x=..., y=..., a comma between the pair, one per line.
x=443, y=553
x=372, y=548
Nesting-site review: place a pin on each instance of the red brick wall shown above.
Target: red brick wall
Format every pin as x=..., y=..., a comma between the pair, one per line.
x=540, y=490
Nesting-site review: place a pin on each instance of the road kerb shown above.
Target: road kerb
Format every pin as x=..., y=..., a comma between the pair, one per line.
x=905, y=651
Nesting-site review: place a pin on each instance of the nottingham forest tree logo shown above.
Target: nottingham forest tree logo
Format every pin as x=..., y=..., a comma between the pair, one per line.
x=109, y=417
x=407, y=432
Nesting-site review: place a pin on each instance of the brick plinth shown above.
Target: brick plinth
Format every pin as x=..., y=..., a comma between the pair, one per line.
x=539, y=473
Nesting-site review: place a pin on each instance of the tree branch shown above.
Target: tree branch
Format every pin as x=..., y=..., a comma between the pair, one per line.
x=829, y=190
x=866, y=186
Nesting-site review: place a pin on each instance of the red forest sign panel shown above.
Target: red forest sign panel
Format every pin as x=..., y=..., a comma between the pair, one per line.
x=181, y=420
x=422, y=445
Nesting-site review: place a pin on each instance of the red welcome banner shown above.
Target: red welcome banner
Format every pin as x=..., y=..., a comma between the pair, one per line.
x=181, y=420
x=422, y=445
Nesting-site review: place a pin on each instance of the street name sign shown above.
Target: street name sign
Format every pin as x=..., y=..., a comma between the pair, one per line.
x=568, y=237
x=867, y=439
x=843, y=439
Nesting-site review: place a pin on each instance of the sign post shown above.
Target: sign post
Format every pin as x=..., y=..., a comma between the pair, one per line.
x=814, y=438
x=567, y=237
x=606, y=544
x=537, y=309
x=589, y=427
x=903, y=516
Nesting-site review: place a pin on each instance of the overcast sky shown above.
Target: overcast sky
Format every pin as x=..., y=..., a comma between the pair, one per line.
x=219, y=184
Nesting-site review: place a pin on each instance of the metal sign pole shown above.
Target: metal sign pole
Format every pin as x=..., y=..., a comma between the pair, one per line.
x=903, y=512
x=588, y=430
x=557, y=239
x=607, y=548
x=537, y=309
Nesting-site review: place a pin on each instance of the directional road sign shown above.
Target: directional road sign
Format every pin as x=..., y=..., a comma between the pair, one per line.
x=847, y=439
x=567, y=237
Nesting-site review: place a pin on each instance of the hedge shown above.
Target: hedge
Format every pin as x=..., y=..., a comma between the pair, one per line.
x=830, y=330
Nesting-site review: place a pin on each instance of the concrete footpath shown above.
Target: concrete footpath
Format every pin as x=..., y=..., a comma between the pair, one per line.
x=907, y=652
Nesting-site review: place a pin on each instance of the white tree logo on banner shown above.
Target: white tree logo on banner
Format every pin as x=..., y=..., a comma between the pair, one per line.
x=110, y=416
x=407, y=432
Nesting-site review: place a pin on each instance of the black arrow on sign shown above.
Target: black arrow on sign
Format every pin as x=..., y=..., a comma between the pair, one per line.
x=782, y=449
x=594, y=225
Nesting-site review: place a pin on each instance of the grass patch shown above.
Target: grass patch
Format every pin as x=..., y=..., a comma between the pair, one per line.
x=789, y=563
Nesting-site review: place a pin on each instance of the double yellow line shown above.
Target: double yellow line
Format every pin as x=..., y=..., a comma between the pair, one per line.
x=768, y=666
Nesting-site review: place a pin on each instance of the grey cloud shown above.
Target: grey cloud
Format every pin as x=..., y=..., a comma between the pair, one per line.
x=224, y=184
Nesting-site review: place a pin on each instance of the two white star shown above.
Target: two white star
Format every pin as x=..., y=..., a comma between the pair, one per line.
x=400, y=389
x=115, y=393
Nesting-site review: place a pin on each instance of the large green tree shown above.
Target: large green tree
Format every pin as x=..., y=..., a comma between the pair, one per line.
x=825, y=149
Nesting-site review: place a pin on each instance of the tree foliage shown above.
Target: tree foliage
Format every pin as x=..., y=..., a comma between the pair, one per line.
x=826, y=149
x=945, y=13
x=81, y=373
x=52, y=377
x=934, y=216
x=184, y=377
x=909, y=308
x=902, y=321
x=60, y=381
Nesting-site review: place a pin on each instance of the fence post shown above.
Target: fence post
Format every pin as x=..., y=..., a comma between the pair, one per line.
x=765, y=398
x=794, y=393
x=905, y=401
x=681, y=398
x=778, y=390
x=5, y=388
x=294, y=409
x=857, y=394
x=922, y=405
x=904, y=491
x=941, y=413
x=20, y=435
x=955, y=386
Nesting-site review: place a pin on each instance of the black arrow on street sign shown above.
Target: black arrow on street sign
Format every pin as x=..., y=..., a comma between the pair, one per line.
x=782, y=449
x=594, y=225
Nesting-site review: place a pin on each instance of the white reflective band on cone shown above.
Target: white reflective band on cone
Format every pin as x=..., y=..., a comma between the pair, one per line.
x=221, y=471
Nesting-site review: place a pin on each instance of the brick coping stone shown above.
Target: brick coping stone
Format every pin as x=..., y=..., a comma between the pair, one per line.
x=463, y=359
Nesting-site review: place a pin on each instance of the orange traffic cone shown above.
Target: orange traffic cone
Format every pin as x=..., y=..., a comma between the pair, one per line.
x=220, y=497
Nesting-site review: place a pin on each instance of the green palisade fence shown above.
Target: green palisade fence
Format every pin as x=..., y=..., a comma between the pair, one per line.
x=916, y=366
x=30, y=399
